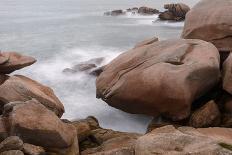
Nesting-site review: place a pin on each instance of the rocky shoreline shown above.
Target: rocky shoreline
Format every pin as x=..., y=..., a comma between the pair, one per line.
x=184, y=83
x=173, y=12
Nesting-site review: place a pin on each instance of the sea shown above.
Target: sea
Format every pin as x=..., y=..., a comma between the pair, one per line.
x=62, y=33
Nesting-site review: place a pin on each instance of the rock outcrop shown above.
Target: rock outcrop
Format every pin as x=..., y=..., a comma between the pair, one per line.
x=210, y=21
x=147, y=11
x=11, y=61
x=176, y=12
x=161, y=78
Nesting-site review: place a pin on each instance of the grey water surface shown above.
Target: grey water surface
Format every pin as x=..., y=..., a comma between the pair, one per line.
x=61, y=33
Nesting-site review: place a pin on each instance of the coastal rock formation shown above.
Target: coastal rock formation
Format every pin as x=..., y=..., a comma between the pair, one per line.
x=22, y=88
x=227, y=74
x=37, y=125
x=210, y=21
x=33, y=150
x=164, y=77
x=168, y=140
x=147, y=11
x=174, y=12
x=11, y=61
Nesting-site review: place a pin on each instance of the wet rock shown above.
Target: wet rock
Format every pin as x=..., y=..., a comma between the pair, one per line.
x=30, y=149
x=114, y=13
x=210, y=21
x=146, y=42
x=22, y=88
x=147, y=11
x=11, y=143
x=37, y=125
x=11, y=61
x=164, y=77
x=98, y=71
x=86, y=66
x=12, y=152
x=168, y=140
x=208, y=115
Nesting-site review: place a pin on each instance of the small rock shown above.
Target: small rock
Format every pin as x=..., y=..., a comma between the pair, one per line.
x=208, y=115
x=114, y=13
x=30, y=149
x=11, y=143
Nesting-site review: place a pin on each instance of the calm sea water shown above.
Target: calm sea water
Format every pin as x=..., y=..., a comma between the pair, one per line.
x=61, y=33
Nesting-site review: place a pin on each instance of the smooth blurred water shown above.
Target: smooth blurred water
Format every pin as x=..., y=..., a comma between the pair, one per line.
x=61, y=33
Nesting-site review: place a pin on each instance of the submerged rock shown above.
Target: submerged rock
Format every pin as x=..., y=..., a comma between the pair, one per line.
x=210, y=21
x=114, y=13
x=11, y=61
x=164, y=77
x=89, y=67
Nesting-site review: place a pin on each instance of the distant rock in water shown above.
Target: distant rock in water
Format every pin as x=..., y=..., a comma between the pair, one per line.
x=176, y=12
x=114, y=13
x=147, y=11
x=141, y=10
x=90, y=67
x=211, y=20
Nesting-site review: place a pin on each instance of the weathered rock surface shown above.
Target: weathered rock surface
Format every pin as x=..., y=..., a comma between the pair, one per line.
x=227, y=74
x=206, y=116
x=37, y=125
x=12, y=152
x=181, y=141
x=11, y=143
x=11, y=61
x=3, y=129
x=164, y=77
x=146, y=42
x=112, y=142
x=175, y=12
x=22, y=88
x=85, y=126
x=30, y=149
x=210, y=21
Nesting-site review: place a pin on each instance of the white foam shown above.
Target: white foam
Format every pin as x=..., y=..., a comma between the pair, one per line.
x=78, y=92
